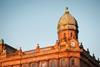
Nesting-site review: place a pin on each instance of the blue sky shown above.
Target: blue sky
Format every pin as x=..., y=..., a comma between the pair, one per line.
x=24, y=23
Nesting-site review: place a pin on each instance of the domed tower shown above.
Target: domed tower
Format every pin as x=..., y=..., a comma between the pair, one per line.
x=67, y=27
x=68, y=38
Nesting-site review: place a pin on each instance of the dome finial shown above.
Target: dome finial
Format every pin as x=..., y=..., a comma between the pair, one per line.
x=66, y=10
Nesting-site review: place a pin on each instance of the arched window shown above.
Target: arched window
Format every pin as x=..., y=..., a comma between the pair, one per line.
x=53, y=63
x=25, y=65
x=72, y=61
x=63, y=62
x=33, y=65
x=43, y=64
x=65, y=38
x=71, y=34
x=64, y=34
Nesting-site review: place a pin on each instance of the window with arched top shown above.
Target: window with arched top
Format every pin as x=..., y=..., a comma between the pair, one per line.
x=33, y=64
x=65, y=38
x=43, y=64
x=63, y=62
x=72, y=61
x=71, y=34
x=64, y=34
x=25, y=65
x=53, y=63
x=16, y=66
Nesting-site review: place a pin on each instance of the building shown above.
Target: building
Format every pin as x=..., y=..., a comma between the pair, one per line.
x=66, y=52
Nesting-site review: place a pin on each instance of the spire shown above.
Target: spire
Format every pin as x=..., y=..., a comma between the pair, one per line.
x=37, y=47
x=66, y=10
x=20, y=49
x=1, y=41
x=81, y=45
x=88, y=51
x=98, y=60
x=93, y=56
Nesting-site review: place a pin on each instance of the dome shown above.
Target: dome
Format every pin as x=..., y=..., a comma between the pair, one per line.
x=67, y=21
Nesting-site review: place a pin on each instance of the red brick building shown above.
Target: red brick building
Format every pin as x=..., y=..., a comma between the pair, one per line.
x=66, y=52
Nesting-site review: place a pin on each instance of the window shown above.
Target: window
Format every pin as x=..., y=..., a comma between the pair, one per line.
x=64, y=34
x=43, y=64
x=65, y=37
x=71, y=34
x=25, y=65
x=63, y=62
x=72, y=61
x=33, y=64
x=16, y=66
x=53, y=63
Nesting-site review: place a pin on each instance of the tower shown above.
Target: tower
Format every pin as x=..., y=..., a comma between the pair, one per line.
x=68, y=36
x=67, y=27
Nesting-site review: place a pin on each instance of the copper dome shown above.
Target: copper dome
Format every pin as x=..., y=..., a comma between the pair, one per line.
x=67, y=21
